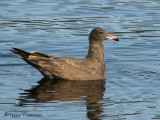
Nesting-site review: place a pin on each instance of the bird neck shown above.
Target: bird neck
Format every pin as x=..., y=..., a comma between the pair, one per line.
x=96, y=50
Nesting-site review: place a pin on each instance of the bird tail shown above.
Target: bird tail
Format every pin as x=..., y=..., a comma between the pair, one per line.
x=20, y=52
x=33, y=59
x=25, y=56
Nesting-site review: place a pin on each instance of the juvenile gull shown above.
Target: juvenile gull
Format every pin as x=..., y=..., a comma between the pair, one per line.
x=92, y=67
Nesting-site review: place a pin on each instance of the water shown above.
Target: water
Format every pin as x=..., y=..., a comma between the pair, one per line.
x=131, y=89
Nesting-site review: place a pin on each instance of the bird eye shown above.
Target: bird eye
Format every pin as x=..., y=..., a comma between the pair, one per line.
x=100, y=33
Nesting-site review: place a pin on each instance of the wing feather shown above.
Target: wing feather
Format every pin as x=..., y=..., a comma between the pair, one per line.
x=67, y=69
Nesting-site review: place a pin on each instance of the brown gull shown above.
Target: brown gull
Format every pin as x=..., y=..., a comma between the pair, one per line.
x=92, y=67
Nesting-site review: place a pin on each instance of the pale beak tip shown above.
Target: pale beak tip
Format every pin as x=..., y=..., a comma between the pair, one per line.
x=113, y=38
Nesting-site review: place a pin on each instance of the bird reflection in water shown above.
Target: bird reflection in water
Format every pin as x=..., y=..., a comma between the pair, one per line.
x=49, y=91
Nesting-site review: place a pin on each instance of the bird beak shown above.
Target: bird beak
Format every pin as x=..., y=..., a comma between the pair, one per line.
x=113, y=38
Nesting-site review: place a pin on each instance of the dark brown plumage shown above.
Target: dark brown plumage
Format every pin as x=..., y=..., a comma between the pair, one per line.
x=92, y=67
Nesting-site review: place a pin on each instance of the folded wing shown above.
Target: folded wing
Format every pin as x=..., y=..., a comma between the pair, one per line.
x=58, y=67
